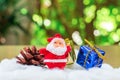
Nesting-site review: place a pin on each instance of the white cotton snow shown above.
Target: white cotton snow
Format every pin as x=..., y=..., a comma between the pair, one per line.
x=10, y=70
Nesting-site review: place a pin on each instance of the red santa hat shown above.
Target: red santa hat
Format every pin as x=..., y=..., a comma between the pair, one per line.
x=55, y=36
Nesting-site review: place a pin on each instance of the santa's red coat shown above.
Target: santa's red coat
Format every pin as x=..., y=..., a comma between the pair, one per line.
x=55, y=61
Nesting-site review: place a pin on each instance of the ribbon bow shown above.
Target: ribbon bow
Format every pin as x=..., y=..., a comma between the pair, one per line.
x=93, y=47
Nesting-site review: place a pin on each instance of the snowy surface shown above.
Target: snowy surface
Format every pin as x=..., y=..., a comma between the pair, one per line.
x=10, y=70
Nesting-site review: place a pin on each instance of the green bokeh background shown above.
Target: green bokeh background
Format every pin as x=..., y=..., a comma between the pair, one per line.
x=96, y=20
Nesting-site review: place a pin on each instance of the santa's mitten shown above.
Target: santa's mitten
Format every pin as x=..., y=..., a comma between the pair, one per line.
x=31, y=56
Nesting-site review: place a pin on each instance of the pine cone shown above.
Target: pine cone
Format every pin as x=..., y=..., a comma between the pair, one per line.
x=31, y=57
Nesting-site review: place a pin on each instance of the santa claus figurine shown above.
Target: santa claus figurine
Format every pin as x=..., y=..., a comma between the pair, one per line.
x=56, y=52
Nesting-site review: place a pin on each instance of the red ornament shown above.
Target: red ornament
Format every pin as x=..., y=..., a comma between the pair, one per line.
x=55, y=57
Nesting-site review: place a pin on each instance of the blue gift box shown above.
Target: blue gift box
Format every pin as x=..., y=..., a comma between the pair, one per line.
x=88, y=58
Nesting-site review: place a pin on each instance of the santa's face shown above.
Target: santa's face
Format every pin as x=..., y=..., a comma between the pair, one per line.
x=58, y=43
x=57, y=46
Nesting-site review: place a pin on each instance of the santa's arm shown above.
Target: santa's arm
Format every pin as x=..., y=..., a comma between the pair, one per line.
x=42, y=51
x=68, y=50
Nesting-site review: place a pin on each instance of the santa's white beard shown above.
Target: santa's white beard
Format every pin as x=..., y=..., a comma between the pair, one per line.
x=56, y=51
